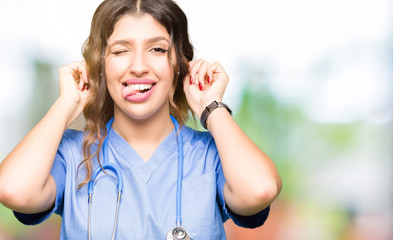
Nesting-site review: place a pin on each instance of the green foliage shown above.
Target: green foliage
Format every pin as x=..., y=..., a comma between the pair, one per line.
x=8, y=222
x=296, y=144
x=275, y=128
x=339, y=136
x=45, y=90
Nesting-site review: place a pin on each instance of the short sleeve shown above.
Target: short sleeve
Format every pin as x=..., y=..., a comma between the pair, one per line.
x=58, y=173
x=253, y=221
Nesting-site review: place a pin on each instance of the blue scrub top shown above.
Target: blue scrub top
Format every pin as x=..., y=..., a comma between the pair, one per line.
x=148, y=204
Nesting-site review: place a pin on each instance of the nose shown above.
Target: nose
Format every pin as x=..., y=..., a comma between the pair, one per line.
x=138, y=65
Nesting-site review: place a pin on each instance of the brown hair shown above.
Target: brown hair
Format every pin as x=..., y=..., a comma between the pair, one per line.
x=99, y=107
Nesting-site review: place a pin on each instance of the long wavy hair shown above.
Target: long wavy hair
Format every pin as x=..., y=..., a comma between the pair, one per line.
x=100, y=107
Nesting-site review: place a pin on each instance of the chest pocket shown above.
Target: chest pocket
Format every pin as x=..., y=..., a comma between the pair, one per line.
x=201, y=215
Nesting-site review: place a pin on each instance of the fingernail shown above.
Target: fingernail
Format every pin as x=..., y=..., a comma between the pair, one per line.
x=84, y=86
x=208, y=79
x=200, y=86
x=190, y=80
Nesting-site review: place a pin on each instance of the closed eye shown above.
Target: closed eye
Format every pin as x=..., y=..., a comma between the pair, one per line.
x=119, y=52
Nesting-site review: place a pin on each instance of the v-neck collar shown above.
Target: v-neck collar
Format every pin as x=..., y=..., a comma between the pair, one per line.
x=144, y=169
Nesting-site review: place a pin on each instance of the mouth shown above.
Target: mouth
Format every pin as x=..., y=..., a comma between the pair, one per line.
x=137, y=89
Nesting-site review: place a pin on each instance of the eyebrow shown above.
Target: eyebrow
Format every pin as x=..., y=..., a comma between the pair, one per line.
x=148, y=41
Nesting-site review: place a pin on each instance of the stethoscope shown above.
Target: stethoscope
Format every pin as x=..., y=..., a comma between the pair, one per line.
x=177, y=233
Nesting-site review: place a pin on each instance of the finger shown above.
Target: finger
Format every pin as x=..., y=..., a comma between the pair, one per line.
x=215, y=67
x=193, y=62
x=210, y=75
x=202, y=75
x=219, y=72
x=187, y=81
x=80, y=75
x=191, y=91
x=198, y=73
x=85, y=78
x=194, y=67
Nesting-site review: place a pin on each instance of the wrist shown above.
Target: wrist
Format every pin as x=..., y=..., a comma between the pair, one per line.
x=209, y=109
x=68, y=111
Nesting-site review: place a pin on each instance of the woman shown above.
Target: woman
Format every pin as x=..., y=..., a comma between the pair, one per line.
x=138, y=72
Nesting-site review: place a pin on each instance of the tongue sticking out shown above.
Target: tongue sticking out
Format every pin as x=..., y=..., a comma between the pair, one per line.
x=129, y=91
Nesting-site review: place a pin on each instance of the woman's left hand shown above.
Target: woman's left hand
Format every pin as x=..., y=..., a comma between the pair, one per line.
x=251, y=184
x=205, y=83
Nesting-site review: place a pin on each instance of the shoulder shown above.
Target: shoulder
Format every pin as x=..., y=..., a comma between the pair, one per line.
x=71, y=139
x=200, y=145
x=72, y=135
x=196, y=136
x=70, y=150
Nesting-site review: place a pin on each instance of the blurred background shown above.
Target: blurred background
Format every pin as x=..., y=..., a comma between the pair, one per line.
x=311, y=84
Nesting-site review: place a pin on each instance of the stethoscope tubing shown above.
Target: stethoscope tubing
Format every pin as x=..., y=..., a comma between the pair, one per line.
x=112, y=167
x=105, y=166
x=179, y=171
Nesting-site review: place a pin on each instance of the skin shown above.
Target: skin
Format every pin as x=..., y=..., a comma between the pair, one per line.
x=138, y=50
x=252, y=179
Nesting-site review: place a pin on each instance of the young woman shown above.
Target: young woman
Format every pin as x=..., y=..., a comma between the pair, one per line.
x=135, y=87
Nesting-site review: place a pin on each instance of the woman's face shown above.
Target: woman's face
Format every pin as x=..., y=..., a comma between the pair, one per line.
x=138, y=71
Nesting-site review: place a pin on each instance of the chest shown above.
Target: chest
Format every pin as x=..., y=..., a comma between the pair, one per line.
x=148, y=204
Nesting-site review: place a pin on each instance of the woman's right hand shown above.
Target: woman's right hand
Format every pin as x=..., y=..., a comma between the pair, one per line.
x=74, y=87
x=26, y=184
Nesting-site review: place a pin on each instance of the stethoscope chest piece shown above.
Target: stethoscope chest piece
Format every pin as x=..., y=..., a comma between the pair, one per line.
x=178, y=233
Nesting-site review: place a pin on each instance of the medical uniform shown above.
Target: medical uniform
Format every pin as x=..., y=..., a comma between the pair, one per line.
x=148, y=204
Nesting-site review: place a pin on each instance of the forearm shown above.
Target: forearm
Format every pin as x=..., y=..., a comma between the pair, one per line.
x=252, y=181
x=24, y=173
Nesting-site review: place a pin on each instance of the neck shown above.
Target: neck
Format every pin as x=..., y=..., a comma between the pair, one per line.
x=143, y=134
